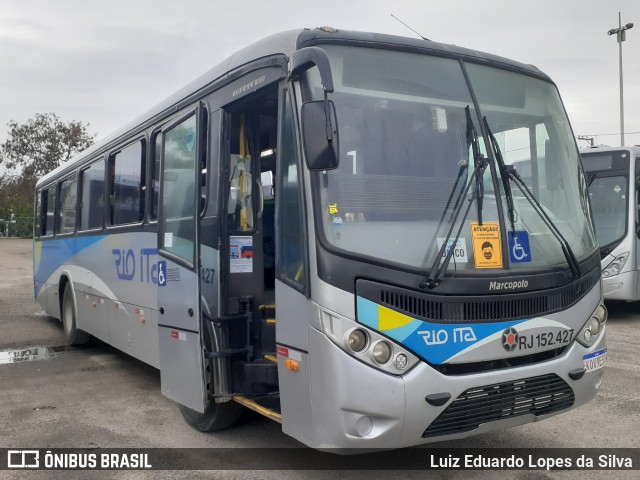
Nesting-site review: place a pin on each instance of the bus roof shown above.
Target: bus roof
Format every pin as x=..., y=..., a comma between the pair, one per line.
x=284, y=43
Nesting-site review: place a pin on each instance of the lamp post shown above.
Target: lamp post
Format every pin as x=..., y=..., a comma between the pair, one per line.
x=621, y=36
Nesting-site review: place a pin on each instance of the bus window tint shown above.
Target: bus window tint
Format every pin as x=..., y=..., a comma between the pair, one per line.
x=291, y=251
x=49, y=207
x=92, y=205
x=67, y=211
x=609, y=205
x=127, y=179
x=178, y=183
x=37, y=226
x=156, y=143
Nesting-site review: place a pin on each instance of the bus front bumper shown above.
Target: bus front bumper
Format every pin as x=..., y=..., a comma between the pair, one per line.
x=355, y=406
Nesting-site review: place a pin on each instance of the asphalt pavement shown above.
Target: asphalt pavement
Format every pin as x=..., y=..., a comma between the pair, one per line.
x=97, y=397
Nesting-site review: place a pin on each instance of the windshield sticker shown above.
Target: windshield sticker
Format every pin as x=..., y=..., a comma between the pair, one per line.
x=519, y=249
x=333, y=208
x=459, y=251
x=487, y=252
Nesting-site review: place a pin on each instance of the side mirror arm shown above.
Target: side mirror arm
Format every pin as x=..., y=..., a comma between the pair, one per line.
x=306, y=58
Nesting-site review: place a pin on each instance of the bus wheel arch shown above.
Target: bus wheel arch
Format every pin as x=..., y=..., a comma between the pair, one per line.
x=68, y=314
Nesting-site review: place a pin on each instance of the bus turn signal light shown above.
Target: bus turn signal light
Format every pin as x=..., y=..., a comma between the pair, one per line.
x=291, y=365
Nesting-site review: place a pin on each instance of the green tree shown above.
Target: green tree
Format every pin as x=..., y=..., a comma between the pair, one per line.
x=16, y=205
x=43, y=143
x=33, y=149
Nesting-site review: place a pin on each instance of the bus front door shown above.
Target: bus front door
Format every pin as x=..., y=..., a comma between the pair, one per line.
x=179, y=326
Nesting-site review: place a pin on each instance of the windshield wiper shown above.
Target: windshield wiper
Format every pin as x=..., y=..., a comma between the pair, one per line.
x=480, y=164
x=472, y=138
x=504, y=176
x=566, y=248
x=463, y=165
x=508, y=172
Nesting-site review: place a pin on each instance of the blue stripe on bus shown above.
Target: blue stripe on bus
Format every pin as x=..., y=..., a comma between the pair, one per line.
x=58, y=251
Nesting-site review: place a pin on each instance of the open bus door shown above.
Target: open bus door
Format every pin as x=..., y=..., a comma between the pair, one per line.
x=180, y=343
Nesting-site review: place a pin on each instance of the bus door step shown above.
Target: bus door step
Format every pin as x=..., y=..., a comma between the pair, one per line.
x=259, y=377
x=268, y=405
x=268, y=321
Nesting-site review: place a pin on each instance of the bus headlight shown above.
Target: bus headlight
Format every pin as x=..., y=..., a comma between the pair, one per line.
x=591, y=330
x=357, y=340
x=366, y=345
x=381, y=352
x=615, y=267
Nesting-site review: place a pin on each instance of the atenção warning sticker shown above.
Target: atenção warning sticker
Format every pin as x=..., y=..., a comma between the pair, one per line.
x=486, y=244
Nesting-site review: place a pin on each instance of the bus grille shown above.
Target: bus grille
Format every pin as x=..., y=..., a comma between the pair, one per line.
x=536, y=395
x=478, y=308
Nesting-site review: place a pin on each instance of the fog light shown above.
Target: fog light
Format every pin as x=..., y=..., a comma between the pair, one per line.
x=382, y=352
x=587, y=335
x=357, y=340
x=401, y=361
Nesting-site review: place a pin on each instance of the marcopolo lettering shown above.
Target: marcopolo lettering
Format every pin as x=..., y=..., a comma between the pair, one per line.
x=508, y=285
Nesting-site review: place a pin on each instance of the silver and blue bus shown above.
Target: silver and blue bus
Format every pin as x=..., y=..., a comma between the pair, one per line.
x=613, y=178
x=330, y=228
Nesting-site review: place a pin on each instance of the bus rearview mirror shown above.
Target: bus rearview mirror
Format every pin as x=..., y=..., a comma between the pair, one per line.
x=321, y=150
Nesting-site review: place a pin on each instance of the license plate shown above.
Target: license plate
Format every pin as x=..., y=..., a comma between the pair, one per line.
x=595, y=360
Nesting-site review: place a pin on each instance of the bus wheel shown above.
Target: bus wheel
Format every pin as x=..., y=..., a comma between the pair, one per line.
x=72, y=334
x=217, y=416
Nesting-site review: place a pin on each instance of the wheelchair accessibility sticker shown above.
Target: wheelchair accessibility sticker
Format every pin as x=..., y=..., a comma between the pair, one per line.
x=519, y=249
x=162, y=273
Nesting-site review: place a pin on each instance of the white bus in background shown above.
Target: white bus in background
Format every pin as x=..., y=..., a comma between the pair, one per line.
x=363, y=186
x=613, y=177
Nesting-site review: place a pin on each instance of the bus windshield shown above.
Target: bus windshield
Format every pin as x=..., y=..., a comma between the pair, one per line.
x=406, y=124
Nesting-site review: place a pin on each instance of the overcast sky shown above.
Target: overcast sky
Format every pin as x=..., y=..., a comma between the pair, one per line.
x=105, y=62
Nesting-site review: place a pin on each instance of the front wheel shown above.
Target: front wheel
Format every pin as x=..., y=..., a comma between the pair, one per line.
x=72, y=334
x=217, y=416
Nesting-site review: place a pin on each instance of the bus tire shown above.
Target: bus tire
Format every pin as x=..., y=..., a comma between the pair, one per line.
x=217, y=416
x=72, y=335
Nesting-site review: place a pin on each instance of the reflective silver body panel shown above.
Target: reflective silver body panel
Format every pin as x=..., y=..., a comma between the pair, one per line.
x=114, y=280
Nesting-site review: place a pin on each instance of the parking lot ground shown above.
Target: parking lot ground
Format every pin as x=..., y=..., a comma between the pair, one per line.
x=98, y=397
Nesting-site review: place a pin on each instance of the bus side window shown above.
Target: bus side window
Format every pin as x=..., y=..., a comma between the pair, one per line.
x=156, y=143
x=127, y=185
x=37, y=225
x=49, y=209
x=92, y=196
x=178, y=183
x=290, y=250
x=67, y=206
